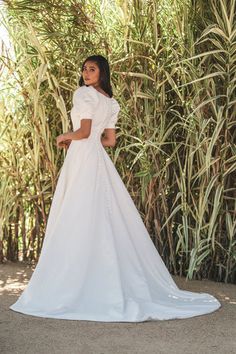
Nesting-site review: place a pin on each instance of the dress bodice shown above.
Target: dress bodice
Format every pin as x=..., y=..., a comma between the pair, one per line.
x=91, y=104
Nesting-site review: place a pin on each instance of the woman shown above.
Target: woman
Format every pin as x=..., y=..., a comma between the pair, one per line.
x=98, y=262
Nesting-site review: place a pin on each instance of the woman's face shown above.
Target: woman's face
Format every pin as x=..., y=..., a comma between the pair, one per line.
x=91, y=73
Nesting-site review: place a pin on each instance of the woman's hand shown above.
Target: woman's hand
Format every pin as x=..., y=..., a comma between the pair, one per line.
x=62, y=141
x=65, y=144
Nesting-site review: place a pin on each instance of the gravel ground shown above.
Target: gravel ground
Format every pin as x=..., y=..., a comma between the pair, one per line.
x=24, y=334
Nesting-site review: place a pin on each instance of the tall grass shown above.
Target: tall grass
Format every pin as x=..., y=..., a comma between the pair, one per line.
x=173, y=72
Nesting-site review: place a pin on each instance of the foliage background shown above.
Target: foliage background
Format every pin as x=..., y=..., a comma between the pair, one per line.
x=173, y=72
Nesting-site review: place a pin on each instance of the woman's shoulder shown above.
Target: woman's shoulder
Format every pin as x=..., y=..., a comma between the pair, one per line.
x=115, y=105
x=82, y=90
x=85, y=93
x=89, y=92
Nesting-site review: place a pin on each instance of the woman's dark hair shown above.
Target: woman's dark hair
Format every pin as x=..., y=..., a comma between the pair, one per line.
x=104, y=78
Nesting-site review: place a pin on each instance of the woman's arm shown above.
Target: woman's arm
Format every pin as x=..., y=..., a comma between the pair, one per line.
x=82, y=133
x=106, y=142
x=109, y=138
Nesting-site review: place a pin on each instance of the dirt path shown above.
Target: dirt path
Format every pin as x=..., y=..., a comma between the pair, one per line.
x=24, y=334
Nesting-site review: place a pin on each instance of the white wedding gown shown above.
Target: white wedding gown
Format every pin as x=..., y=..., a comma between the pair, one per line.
x=98, y=261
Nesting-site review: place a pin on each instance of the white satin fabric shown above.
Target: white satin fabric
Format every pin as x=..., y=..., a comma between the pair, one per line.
x=98, y=262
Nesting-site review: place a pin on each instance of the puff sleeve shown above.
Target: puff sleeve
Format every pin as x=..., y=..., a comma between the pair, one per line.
x=85, y=101
x=115, y=108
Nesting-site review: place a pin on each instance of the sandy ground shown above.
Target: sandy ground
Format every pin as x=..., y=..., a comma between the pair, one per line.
x=24, y=334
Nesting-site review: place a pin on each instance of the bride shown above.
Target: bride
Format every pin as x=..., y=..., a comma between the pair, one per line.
x=98, y=261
